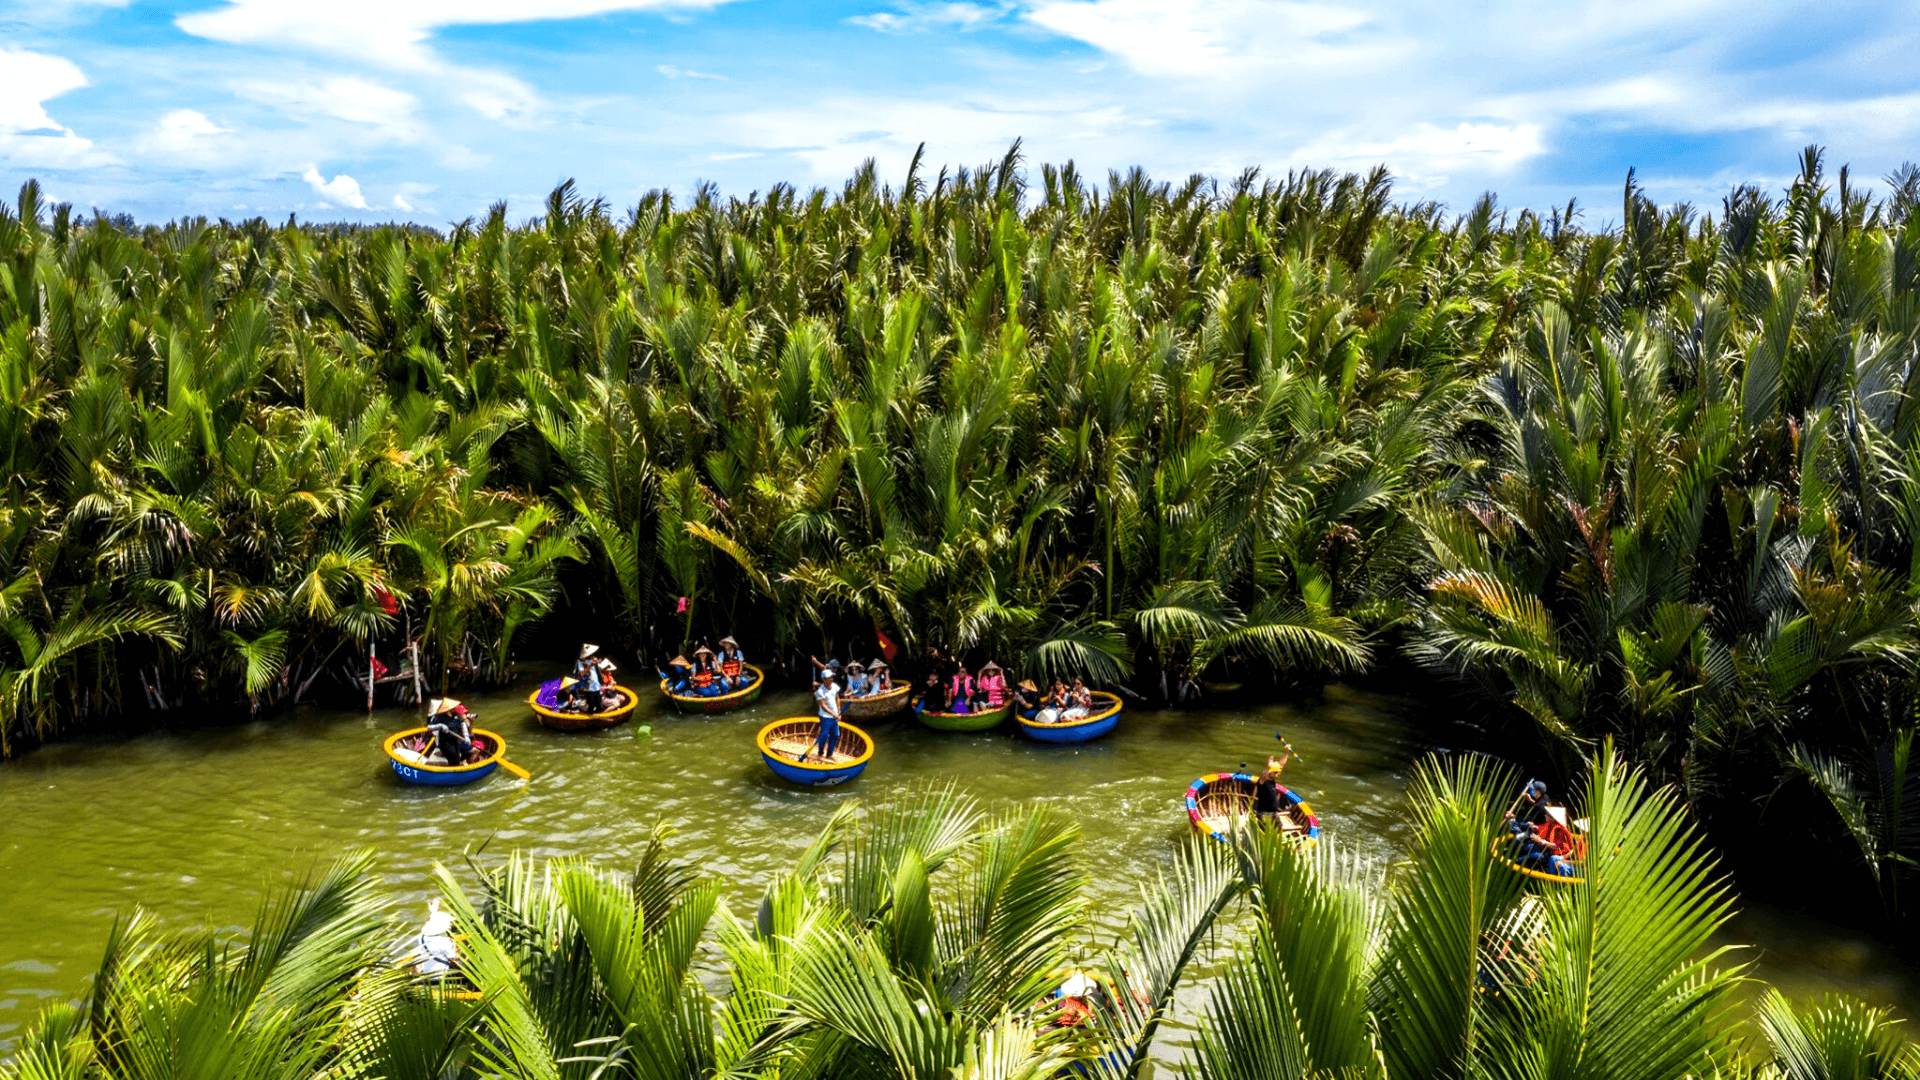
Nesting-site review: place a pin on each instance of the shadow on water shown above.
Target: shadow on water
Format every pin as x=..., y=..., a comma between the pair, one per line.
x=194, y=825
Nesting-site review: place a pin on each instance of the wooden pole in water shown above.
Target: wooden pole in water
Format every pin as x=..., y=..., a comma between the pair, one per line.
x=369, y=676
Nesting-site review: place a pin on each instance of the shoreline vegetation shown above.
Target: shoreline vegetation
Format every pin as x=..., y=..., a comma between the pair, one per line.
x=933, y=939
x=1641, y=473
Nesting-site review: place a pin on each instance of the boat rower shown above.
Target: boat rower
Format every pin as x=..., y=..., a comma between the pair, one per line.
x=451, y=728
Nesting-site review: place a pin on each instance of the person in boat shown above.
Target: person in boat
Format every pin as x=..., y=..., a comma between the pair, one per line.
x=571, y=699
x=960, y=690
x=1052, y=706
x=1267, y=801
x=879, y=678
x=678, y=676
x=435, y=954
x=733, y=665
x=826, y=699
x=706, y=674
x=450, y=727
x=933, y=694
x=1530, y=810
x=588, y=674
x=856, y=680
x=1079, y=702
x=1027, y=698
x=990, y=687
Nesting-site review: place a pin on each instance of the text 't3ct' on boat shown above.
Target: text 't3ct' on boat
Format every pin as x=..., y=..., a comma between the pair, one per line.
x=1218, y=804
x=1104, y=717
x=787, y=748
x=722, y=702
x=548, y=704
x=411, y=754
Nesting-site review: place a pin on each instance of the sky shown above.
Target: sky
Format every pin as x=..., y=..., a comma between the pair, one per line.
x=431, y=110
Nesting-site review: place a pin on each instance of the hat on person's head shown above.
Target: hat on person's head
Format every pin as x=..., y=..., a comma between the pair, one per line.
x=728, y=641
x=1273, y=764
x=829, y=675
x=855, y=666
x=441, y=704
x=879, y=665
x=989, y=666
x=1537, y=788
x=703, y=651
x=679, y=661
x=1027, y=685
x=588, y=650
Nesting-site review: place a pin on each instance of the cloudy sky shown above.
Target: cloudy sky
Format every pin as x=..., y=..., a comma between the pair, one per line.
x=432, y=109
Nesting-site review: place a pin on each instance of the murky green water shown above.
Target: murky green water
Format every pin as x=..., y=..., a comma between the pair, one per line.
x=194, y=826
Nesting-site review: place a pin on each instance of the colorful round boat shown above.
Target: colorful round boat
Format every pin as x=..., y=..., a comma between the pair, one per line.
x=718, y=703
x=877, y=707
x=403, y=751
x=784, y=742
x=1103, y=719
x=984, y=720
x=1219, y=803
x=1574, y=836
x=545, y=703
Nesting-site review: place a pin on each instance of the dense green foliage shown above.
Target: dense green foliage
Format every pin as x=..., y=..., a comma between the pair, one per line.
x=1659, y=481
x=924, y=941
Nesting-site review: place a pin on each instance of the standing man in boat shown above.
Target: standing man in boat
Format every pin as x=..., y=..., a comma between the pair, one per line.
x=826, y=698
x=1266, y=790
x=590, y=680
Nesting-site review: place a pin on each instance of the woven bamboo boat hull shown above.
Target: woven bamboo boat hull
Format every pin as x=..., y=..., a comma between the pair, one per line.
x=784, y=743
x=979, y=721
x=1218, y=804
x=877, y=707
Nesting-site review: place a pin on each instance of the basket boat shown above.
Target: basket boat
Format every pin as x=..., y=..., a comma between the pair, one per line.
x=545, y=703
x=984, y=720
x=717, y=703
x=1220, y=803
x=403, y=752
x=1103, y=719
x=877, y=707
x=784, y=742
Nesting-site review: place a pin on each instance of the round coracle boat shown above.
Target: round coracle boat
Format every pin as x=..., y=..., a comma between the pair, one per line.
x=547, y=704
x=787, y=748
x=876, y=706
x=1103, y=719
x=410, y=753
x=715, y=703
x=984, y=720
x=1555, y=852
x=1220, y=803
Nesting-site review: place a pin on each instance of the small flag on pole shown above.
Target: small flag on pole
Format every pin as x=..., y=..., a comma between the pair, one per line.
x=887, y=647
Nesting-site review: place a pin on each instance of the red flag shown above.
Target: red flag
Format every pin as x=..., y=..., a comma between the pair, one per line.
x=887, y=648
x=386, y=600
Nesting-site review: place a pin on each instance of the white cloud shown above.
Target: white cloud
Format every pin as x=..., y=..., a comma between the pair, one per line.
x=29, y=135
x=1427, y=155
x=912, y=17
x=342, y=190
x=407, y=198
x=673, y=72
x=1211, y=41
x=184, y=133
x=349, y=98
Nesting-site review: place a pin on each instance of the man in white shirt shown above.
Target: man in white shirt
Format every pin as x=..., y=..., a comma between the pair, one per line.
x=826, y=698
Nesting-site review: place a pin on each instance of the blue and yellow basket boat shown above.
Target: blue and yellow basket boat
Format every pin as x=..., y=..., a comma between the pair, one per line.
x=545, y=703
x=718, y=703
x=1220, y=803
x=783, y=742
x=404, y=751
x=1103, y=719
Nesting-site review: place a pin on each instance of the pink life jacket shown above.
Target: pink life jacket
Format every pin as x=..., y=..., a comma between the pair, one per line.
x=994, y=685
x=961, y=687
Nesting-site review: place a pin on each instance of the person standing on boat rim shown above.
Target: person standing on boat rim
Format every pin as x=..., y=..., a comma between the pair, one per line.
x=826, y=698
x=1266, y=790
x=586, y=671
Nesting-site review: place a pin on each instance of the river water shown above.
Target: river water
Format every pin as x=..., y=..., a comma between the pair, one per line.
x=195, y=825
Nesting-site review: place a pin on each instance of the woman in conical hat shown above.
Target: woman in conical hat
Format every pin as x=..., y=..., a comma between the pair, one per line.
x=588, y=650
x=733, y=664
x=879, y=677
x=706, y=680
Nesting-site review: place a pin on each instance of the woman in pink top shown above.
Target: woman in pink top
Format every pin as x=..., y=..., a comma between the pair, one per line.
x=992, y=685
x=961, y=688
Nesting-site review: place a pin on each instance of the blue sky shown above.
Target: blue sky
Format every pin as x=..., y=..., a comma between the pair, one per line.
x=429, y=110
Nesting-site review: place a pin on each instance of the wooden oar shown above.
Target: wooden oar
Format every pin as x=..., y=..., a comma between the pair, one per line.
x=515, y=769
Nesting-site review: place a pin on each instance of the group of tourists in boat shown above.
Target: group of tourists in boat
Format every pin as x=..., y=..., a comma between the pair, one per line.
x=590, y=686
x=709, y=674
x=1540, y=839
x=855, y=680
x=950, y=688
x=448, y=739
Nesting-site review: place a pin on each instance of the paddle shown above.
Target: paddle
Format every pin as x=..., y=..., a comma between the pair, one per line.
x=515, y=769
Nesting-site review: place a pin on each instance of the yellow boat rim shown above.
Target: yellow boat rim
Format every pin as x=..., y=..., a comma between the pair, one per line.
x=1500, y=857
x=499, y=751
x=1091, y=718
x=761, y=741
x=759, y=678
